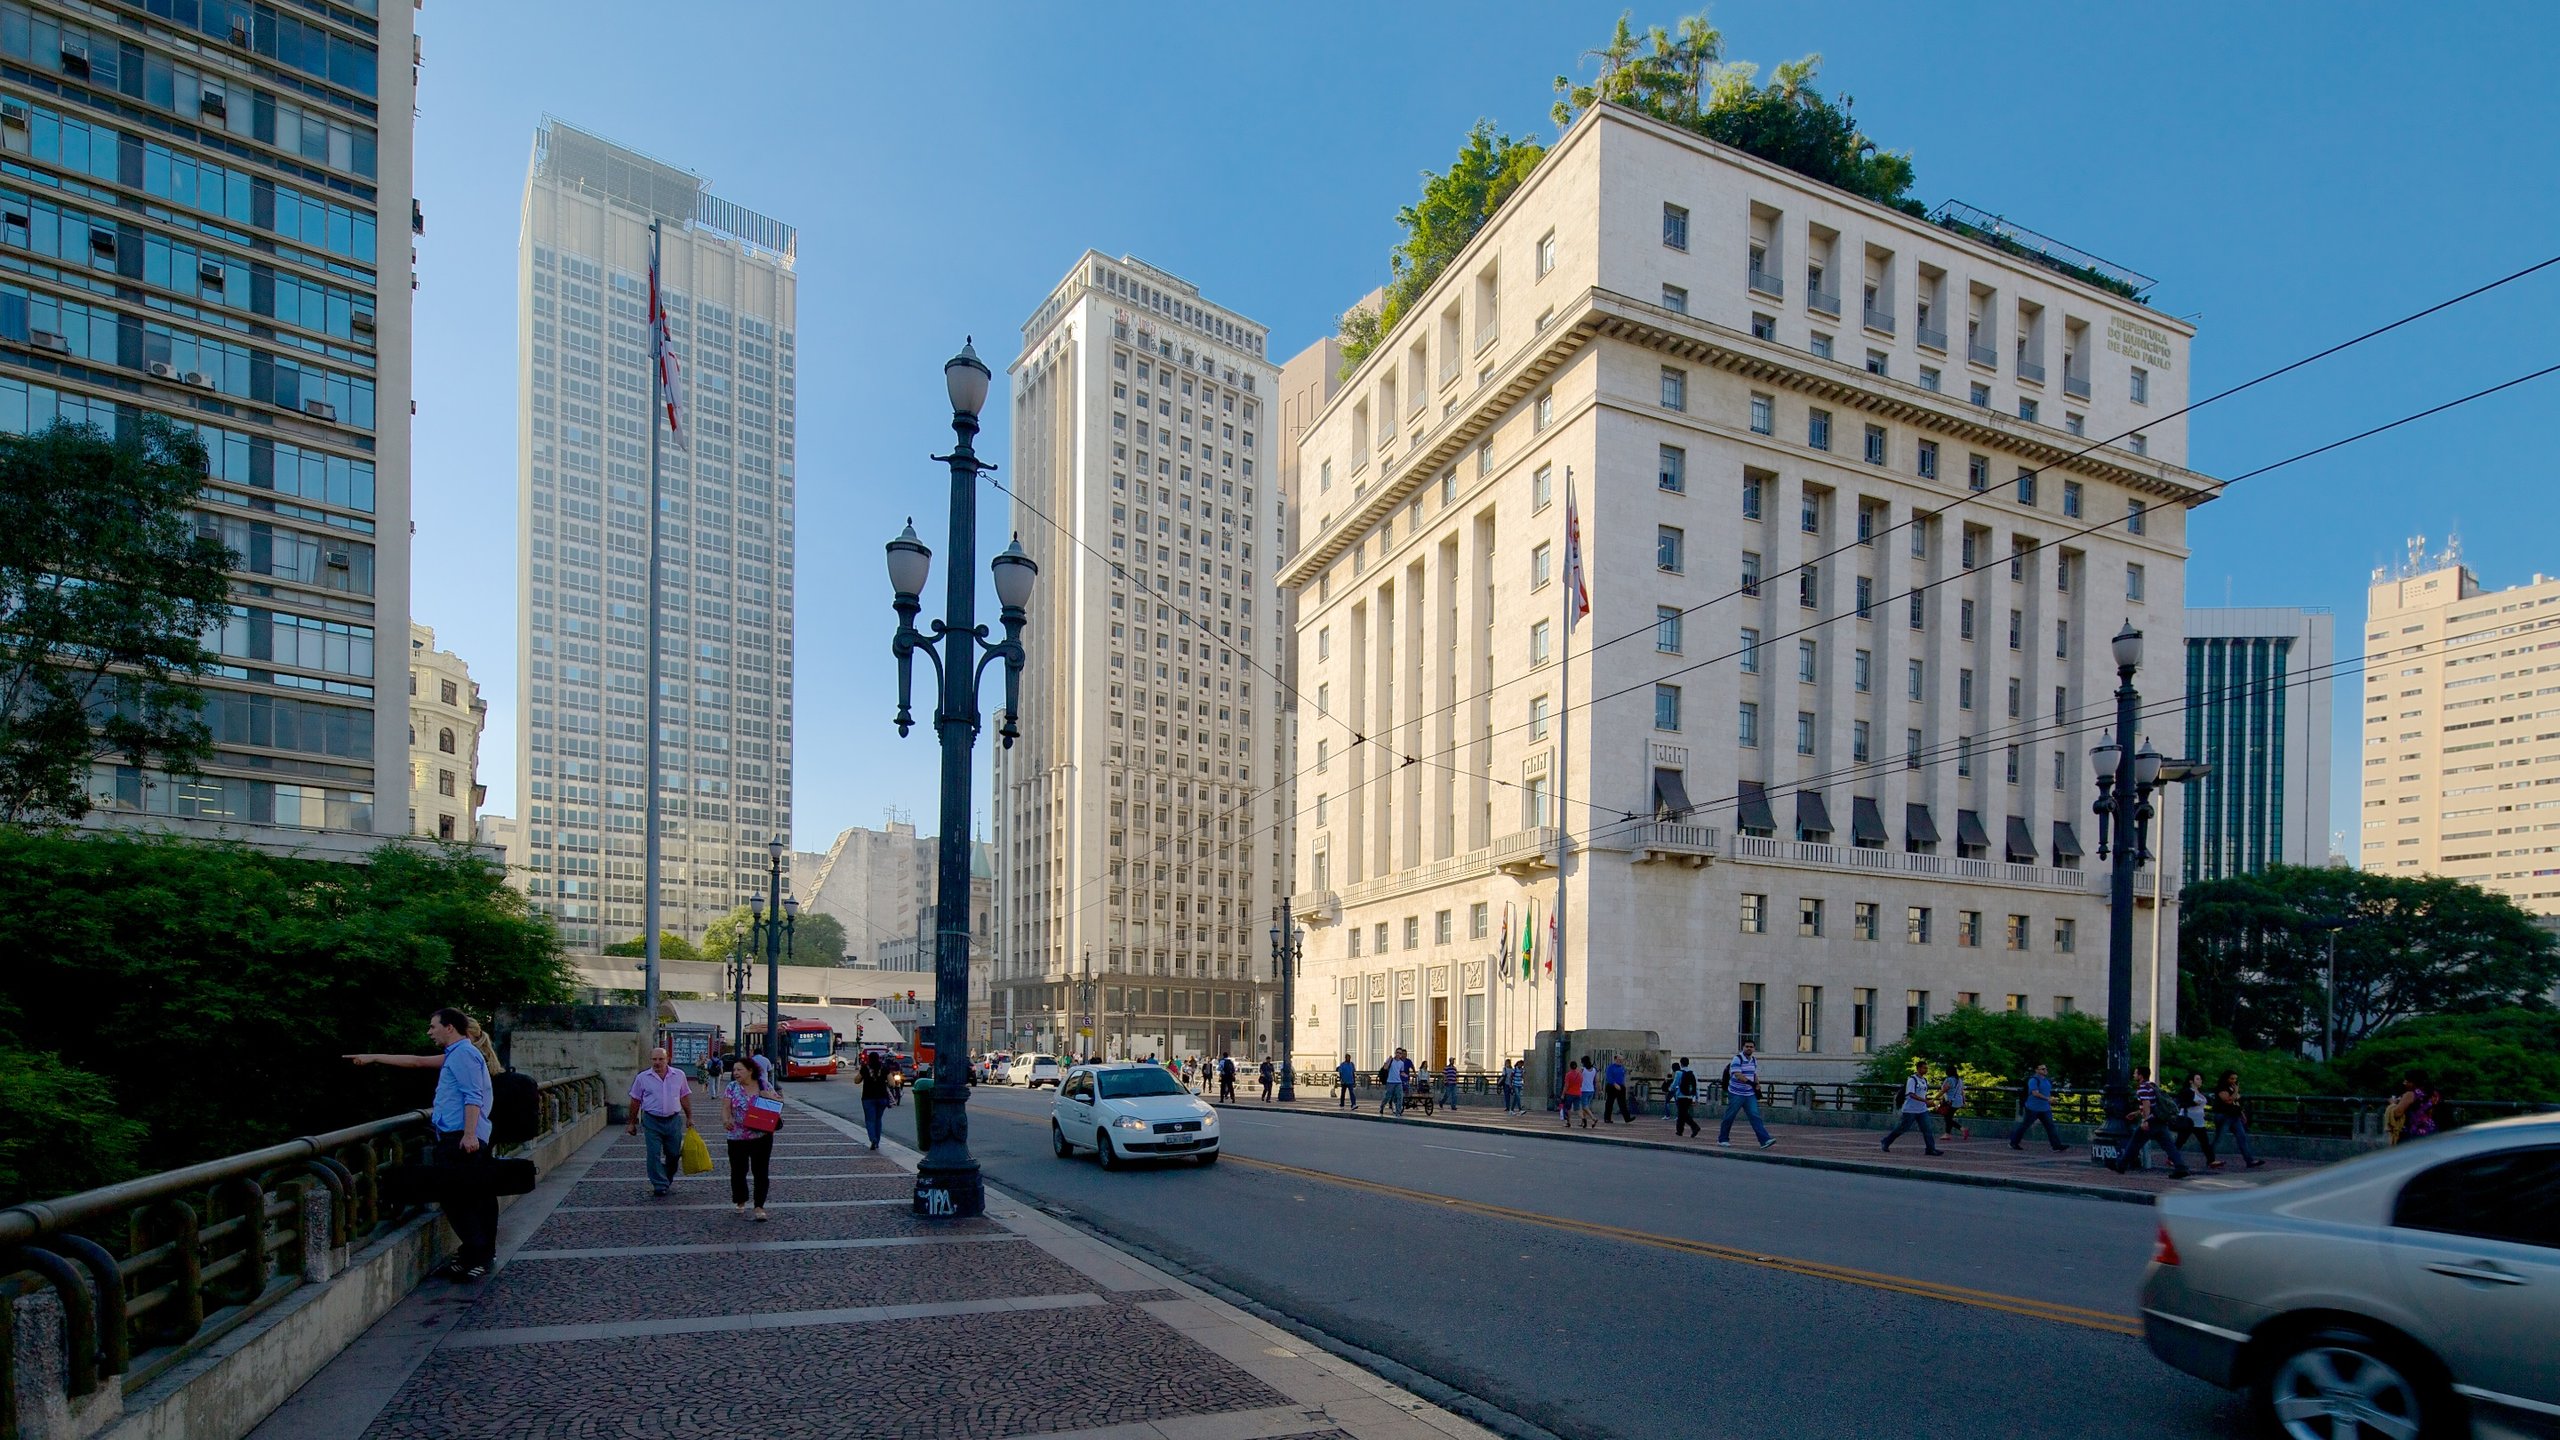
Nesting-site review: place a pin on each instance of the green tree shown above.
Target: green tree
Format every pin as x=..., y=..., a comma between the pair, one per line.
x=1453, y=207
x=818, y=938
x=2507, y=1054
x=65, y=1133
x=2002, y=1044
x=722, y=935
x=2253, y=954
x=671, y=946
x=108, y=592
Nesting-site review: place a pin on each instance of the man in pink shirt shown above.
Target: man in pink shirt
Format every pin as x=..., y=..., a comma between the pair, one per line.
x=662, y=1100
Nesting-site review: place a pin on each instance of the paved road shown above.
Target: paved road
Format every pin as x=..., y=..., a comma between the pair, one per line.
x=1619, y=1294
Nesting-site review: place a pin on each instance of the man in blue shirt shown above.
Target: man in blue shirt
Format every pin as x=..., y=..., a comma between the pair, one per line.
x=2036, y=1109
x=461, y=1120
x=1346, y=1077
x=1614, y=1093
x=1742, y=1096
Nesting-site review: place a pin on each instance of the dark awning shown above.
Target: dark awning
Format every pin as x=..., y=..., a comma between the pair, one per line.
x=1917, y=827
x=2022, y=843
x=1812, y=816
x=1670, y=796
x=1752, y=812
x=1969, y=830
x=1866, y=822
x=2066, y=841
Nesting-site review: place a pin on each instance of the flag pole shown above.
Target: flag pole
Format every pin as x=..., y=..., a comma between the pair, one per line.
x=1565, y=595
x=649, y=705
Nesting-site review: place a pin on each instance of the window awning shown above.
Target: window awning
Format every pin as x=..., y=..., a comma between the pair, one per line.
x=1917, y=826
x=1752, y=809
x=2066, y=841
x=1813, y=818
x=1969, y=830
x=1866, y=822
x=1670, y=796
x=2022, y=842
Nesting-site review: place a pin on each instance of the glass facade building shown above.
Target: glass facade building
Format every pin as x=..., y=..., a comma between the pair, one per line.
x=724, y=520
x=2258, y=712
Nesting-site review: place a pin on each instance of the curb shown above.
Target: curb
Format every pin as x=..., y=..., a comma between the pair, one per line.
x=2026, y=1183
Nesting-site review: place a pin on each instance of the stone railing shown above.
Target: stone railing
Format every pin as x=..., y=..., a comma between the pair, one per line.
x=1769, y=851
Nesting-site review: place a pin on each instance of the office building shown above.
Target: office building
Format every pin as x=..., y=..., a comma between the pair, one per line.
x=209, y=220
x=2462, y=728
x=724, y=541
x=1307, y=384
x=446, y=719
x=2258, y=713
x=1133, y=818
x=1848, y=647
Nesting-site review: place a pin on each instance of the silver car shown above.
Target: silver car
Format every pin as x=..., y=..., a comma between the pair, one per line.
x=2410, y=1293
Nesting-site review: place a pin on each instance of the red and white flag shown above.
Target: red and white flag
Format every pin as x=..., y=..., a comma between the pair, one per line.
x=662, y=351
x=1577, y=590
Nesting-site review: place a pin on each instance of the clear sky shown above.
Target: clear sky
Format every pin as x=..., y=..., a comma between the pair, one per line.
x=2292, y=174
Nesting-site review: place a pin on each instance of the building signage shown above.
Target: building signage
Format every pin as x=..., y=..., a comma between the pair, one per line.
x=2137, y=341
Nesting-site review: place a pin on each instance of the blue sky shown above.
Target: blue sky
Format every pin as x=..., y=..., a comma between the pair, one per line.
x=2292, y=175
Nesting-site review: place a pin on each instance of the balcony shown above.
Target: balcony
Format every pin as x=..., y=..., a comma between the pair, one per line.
x=1880, y=321
x=1526, y=852
x=1761, y=850
x=1768, y=284
x=1932, y=339
x=1322, y=907
x=2075, y=386
x=2029, y=372
x=1690, y=845
x=1823, y=302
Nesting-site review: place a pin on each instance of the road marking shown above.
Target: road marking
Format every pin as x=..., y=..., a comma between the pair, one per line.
x=1811, y=1269
x=1463, y=1150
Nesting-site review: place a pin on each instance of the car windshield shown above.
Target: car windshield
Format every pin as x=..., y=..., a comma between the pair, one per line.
x=1132, y=1084
x=812, y=1044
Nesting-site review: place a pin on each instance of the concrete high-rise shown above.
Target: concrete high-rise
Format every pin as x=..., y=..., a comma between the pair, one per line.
x=724, y=538
x=1134, y=817
x=215, y=227
x=2258, y=713
x=2462, y=729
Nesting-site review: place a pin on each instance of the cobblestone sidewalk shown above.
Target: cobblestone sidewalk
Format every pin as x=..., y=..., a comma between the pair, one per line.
x=613, y=1313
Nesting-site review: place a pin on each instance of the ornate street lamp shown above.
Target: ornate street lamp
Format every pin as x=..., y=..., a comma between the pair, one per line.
x=2126, y=779
x=1288, y=943
x=947, y=1180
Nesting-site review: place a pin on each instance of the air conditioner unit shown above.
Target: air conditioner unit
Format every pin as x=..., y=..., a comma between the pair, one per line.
x=47, y=340
x=362, y=321
x=13, y=115
x=212, y=103
x=320, y=409
x=208, y=527
x=198, y=379
x=102, y=241
x=209, y=271
x=75, y=58
x=163, y=370
x=339, y=559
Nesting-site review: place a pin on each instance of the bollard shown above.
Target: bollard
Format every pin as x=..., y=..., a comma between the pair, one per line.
x=922, y=1093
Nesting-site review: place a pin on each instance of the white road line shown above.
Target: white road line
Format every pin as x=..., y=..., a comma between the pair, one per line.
x=1463, y=1150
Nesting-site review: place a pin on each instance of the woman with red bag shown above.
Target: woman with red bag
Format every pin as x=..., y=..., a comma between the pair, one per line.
x=750, y=1126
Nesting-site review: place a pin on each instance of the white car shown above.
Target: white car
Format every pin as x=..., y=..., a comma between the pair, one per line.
x=1129, y=1112
x=1044, y=1071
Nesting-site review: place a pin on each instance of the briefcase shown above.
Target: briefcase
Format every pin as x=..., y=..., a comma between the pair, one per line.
x=422, y=1184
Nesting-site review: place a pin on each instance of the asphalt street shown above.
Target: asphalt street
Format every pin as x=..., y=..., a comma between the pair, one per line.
x=1609, y=1293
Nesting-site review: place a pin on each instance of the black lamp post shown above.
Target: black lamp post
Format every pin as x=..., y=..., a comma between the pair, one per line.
x=2126, y=778
x=783, y=918
x=947, y=1180
x=738, y=972
x=1288, y=942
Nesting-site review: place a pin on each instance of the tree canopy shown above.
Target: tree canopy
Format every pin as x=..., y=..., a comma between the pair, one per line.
x=109, y=594
x=671, y=946
x=1454, y=206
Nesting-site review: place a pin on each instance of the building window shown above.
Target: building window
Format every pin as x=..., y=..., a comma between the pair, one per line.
x=1866, y=597
x=1755, y=914
x=1540, y=556
x=1675, y=299
x=1747, y=1017
x=1821, y=346
x=2062, y=639
x=1546, y=253
x=1915, y=1009
x=1751, y=486
x=1808, y=660
x=1977, y=472
x=1666, y=629
x=1809, y=587
x=1817, y=429
x=1542, y=488
x=1764, y=415
x=1673, y=472
x=1964, y=619
x=1862, y=672
x=1862, y=1019
x=1809, y=514
x=2071, y=499
x=2026, y=486
x=1538, y=708
x=1666, y=707
x=2066, y=934
x=1878, y=363
x=1440, y=928
x=2026, y=408
x=2136, y=517
x=1865, y=919
x=1324, y=642
x=1764, y=327
x=1968, y=929
x=1808, y=1019
x=1928, y=460
x=1964, y=689
x=1875, y=444
x=1747, y=729
x=1915, y=677
x=1930, y=379
x=1538, y=643
x=1412, y=932
x=444, y=782
x=1675, y=226
x=1804, y=732
x=1858, y=741
x=1543, y=413
x=2133, y=582
x=444, y=740
x=1479, y=917
x=1919, y=618
x=1910, y=749
x=2139, y=382
x=2017, y=937
x=1915, y=925
x=451, y=694
x=1675, y=388
x=1667, y=553
x=1750, y=650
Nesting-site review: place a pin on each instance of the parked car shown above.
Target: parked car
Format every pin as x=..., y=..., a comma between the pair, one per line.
x=2411, y=1292
x=1129, y=1112
x=1044, y=1070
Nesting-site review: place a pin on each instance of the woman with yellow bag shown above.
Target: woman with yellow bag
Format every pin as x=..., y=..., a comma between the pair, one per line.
x=753, y=1111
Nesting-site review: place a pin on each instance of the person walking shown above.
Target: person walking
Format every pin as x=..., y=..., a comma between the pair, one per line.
x=2150, y=1127
x=1915, y=1109
x=1614, y=1092
x=750, y=1149
x=662, y=1104
x=1399, y=1075
x=1268, y=1074
x=1591, y=1095
x=2395, y=1116
x=2231, y=1118
x=1519, y=1088
x=1226, y=1079
x=1571, y=1099
x=2193, y=1103
x=1346, y=1085
x=2422, y=1108
x=2036, y=1109
x=1449, y=1082
x=1684, y=1100
x=875, y=1094
x=1951, y=1103
x=1742, y=1095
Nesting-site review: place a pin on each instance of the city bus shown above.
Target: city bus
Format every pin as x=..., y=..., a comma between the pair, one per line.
x=922, y=1046
x=808, y=1048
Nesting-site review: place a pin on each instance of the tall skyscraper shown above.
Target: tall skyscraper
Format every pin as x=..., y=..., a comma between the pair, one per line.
x=724, y=542
x=2458, y=732
x=2258, y=712
x=213, y=214
x=1133, y=823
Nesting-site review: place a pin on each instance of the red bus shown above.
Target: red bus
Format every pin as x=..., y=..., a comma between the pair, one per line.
x=808, y=1048
x=922, y=1045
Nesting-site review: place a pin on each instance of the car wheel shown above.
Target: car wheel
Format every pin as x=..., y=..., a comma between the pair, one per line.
x=1058, y=1140
x=1207, y=1158
x=2341, y=1382
x=1103, y=1152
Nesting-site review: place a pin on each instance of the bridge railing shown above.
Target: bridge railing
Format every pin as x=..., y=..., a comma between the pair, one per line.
x=153, y=1270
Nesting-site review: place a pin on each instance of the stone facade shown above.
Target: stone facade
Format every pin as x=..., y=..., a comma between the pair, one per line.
x=446, y=719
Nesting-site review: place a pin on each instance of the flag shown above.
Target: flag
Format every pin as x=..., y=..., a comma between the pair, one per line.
x=1529, y=942
x=1577, y=590
x=662, y=351
x=1551, y=942
x=1505, y=951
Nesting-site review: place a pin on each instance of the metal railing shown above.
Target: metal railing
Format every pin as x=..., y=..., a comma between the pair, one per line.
x=2075, y=386
x=1982, y=355
x=1767, y=283
x=154, y=1270
x=2029, y=371
x=1931, y=338
x=1825, y=302
x=1878, y=319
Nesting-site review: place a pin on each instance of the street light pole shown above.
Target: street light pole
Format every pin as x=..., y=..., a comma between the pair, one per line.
x=2172, y=772
x=773, y=962
x=2121, y=806
x=948, y=1183
x=738, y=992
x=1288, y=942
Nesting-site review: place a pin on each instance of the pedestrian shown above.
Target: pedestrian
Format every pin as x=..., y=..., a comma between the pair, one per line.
x=1590, y=1092
x=1519, y=1088
x=1614, y=1092
x=2193, y=1102
x=1346, y=1085
x=2036, y=1109
x=1684, y=1099
x=1449, y=1082
x=1915, y=1108
x=2422, y=1108
x=2231, y=1117
x=2147, y=1115
x=1951, y=1103
x=1226, y=1079
x=1267, y=1076
x=462, y=1125
x=662, y=1104
x=1399, y=1075
x=875, y=1094
x=750, y=1149
x=1742, y=1095
x=1571, y=1099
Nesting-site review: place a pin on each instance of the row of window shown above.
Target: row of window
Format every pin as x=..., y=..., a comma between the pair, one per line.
x=1918, y=924
x=1751, y=1012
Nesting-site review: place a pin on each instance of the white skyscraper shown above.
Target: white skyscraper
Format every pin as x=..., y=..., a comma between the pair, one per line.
x=1133, y=827
x=725, y=539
